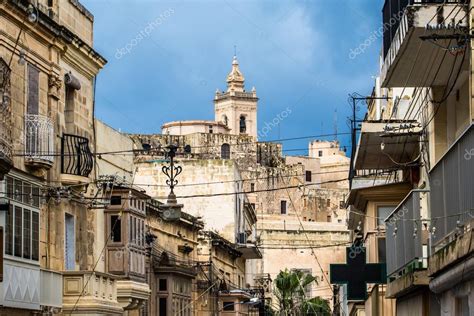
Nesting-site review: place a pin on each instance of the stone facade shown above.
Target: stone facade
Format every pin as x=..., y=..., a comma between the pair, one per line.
x=52, y=71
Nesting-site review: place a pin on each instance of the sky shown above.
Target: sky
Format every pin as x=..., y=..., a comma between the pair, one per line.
x=167, y=58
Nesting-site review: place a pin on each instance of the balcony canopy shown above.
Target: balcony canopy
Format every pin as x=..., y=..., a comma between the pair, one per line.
x=413, y=57
x=400, y=146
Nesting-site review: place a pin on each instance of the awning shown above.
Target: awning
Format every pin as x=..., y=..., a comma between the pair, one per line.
x=387, y=145
x=249, y=251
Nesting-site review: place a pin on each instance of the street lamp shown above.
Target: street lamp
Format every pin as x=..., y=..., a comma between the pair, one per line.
x=171, y=210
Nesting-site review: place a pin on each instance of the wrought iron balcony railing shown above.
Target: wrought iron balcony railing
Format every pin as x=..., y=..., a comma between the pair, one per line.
x=39, y=139
x=76, y=156
x=451, y=182
x=404, y=238
x=392, y=12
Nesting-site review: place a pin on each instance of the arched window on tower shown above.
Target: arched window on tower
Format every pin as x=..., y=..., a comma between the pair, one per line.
x=243, y=124
x=225, y=151
x=225, y=120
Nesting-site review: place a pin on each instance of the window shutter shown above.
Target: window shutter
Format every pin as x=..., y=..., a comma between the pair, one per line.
x=33, y=90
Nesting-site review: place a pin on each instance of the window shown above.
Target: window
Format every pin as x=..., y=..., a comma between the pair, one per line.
x=382, y=214
x=308, y=176
x=228, y=306
x=18, y=229
x=21, y=219
x=225, y=151
x=116, y=200
x=243, y=124
x=116, y=228
x=70, y=242
x=283, y=207
x=381, y=250
x=320, y=153
x=32, y=105
x=163, y=285
x=225, y=120
x=69, y=108
x=328, y=202
x=462, y=306
x=329, y=218
x=163, y=302
x=27, y=233
x=9, y=231
x=210, y=129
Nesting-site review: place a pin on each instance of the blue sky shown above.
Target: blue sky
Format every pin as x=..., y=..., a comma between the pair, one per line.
x=296, y=54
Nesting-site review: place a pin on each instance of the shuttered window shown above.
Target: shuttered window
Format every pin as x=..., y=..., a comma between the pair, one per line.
x=33, y=90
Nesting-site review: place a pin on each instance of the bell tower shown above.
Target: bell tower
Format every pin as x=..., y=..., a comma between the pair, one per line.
x=236, y=107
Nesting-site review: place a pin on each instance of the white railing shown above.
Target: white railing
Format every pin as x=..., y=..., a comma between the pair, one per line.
x=39, y=138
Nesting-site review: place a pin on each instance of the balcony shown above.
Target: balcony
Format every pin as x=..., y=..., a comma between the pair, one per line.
x=39, y=141
x=76, y=159
x=405, y=21
x=97, y=292
x=406, y=244
x=387, y=145
x=51, y=289
x=451, y=181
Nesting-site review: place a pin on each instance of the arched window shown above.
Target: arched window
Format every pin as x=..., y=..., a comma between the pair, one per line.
x=225, y=120
x=243, y=124
x=225, y=151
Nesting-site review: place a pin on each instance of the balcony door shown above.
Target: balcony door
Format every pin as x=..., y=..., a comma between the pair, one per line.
x=32, y=106
x=69, y=243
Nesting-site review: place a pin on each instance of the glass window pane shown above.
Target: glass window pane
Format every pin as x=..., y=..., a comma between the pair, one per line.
x=36, y=196
x=9, y=231
x=382, y=214
x=116, y=227
x=27, y=197
x=35, y=236
x=18, y=231
x=9, y=187
x=17, y=190
x=26, y=234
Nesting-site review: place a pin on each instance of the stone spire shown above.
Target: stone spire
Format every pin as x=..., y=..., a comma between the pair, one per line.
x=235, y=79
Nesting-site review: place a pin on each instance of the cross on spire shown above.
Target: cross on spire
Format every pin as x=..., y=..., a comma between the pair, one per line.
x=357, y=273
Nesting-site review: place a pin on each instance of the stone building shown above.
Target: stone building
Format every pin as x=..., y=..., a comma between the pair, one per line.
x=411, y=191
x=48, y=70
x=250, y=194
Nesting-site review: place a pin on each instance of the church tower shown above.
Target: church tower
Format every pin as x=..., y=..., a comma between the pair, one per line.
x=237, y=108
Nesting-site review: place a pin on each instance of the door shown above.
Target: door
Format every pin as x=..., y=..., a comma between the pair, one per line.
x=69, y=243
